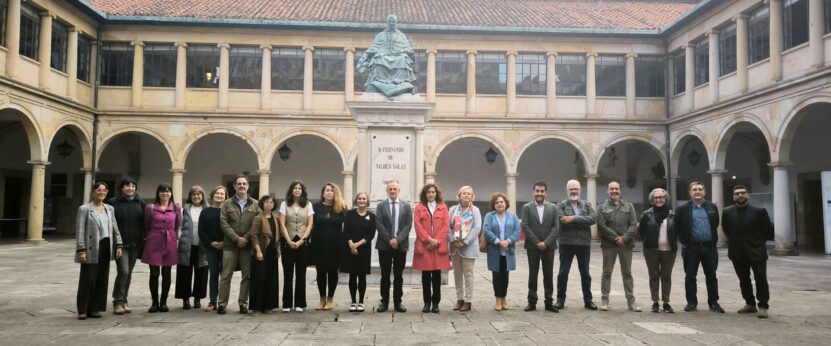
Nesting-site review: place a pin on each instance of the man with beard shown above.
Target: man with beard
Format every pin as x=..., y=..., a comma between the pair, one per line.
x=235, y=219
x=617, y=222
x=576, y=218
x=748, y=229
x=540, y=220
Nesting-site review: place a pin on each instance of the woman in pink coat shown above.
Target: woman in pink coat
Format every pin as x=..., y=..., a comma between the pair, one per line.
x=432, y=223
x=161, y=220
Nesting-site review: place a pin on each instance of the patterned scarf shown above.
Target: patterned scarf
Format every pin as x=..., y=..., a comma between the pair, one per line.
x=462, y=222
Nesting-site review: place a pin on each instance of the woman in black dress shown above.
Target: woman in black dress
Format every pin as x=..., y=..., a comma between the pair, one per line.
x=327, y=242
x=265, y=237
x=358, y=230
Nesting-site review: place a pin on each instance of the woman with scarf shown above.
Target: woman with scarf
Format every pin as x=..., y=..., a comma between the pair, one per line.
x=659, y=246
x=463, y=236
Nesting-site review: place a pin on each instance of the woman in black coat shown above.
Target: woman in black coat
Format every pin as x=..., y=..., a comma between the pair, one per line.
x=358, y=230
x=659, y=246
x=327, y=242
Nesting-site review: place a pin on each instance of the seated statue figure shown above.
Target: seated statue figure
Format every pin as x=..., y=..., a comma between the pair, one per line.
x=390, y=61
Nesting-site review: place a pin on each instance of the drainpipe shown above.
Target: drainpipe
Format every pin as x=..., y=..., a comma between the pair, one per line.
x=667, y=100
x=95, y=103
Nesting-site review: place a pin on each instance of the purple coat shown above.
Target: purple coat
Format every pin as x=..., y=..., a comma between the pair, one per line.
x=162, y=225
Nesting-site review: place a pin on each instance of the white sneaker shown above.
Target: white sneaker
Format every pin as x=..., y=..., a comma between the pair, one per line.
x=353, y=307
x=286, y=309
x=298, y=309
x=604, y=306
x=763, y=313
x=634, y=307
x=360, y=307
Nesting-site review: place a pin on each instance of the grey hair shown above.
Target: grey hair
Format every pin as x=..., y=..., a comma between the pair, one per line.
x=572, y=181
x=658, y=189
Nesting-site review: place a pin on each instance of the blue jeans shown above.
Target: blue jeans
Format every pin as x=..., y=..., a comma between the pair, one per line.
x=567, y=253
x=214, y=257
x=708, y=258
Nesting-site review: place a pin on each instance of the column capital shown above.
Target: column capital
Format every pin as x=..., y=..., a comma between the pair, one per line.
x=548, y=54
x=591, y=176
x=72, y=29
x=432, y=51
x=224, y=45
x=39, y=163
x=347, y=173
x=741, y=16
x=349, y=49
x=711, y=32
x=780, y=164
x=511, y=52
x=717, y=172
x=264, y=171
x=631, y=55
x=311, y=48
x=47, y=13
x=181, y=44
x=690, y=44
x=591, y=55
x=137, y=44
x=430, y=174
x=178, y=171
x=265, y=46
x=511, y=175
x=471, y=52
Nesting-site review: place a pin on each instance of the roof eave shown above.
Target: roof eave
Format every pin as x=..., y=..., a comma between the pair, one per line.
x=688, y=16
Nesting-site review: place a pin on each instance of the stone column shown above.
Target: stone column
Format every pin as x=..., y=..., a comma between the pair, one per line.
x=714, y=67
x=419, y=159
x=34, y=227
x=72, y=63
x=510, y=188
x=673, y=191
x=591, y=197
x=630, y=85
x=265, y=83
x=510, y=84
x=308, y=77
x=717, y=196
x=138, y=73
x=12, y=37
x=178, y=178
x=264, y=182
x=93, y=62
x=45, y=49
x=181, y=73
x=349, y=75
x=348, y=194
x=689, y=72
x=551, y=84
x=430, y=178
x=471, y=81
x=88, y=186
x=363, y=160
x=224, y=74
x=775, y=39
x=741, y=53
x=591, y=85
x=782, y=218
x=431, y=75
x=816, y=31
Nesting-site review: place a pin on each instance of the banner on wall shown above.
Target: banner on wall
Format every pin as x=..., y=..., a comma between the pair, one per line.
x=826, y=208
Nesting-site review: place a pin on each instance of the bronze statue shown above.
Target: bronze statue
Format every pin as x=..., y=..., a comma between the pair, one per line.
x=390, y=61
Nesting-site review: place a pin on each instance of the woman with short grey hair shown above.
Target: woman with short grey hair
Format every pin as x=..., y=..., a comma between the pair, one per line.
x=659, y=246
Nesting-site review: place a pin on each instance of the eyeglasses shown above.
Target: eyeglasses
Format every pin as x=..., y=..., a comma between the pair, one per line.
x=739, y=193
x=659, y=197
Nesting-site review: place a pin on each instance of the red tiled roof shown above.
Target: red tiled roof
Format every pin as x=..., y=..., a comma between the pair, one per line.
x=562, y=14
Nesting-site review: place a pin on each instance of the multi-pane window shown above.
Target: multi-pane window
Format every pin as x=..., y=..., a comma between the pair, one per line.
x=610, y=75
x=571, y=75
x=245, y=64
x=679, y=72
x=649, y=76
x=329, y=69
x=491, y=73
x=160, y=65
x=826, y=6
x=758, y=32
x=84, y=57
x=4, y=17
x=701, y=57
x=451, y=72
x=794, y=23
x=29, y=31
x=727, y=50
x=287, y=65
x=60, y=35
x=530, y=74
x=420, y=72
x=202, y=66
x=116, y=64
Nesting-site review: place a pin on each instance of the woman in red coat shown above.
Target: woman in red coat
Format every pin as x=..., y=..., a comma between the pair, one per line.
x=432, y=223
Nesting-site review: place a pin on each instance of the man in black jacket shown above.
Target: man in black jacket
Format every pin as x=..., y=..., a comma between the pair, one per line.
x=696, y=223
x=748, y=230
x=129, y=215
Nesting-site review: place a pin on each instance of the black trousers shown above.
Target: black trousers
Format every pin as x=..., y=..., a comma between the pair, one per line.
x=743, y=267
x=294, y=271
x=431, y=286
x=192, y=274
x=392, y=261
x=707, y=257
x=500, y=279
x=535, y=257
x=92, y=284
x=154, y=283
x=326, y=278
x=357, y=284
x=567, y=254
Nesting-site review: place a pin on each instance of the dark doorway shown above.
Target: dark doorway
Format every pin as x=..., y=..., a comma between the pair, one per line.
x=810, y=231
x=14, y=204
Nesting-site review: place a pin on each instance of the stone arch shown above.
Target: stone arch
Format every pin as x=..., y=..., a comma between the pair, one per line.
x=678, y=145
x=83, y=136
x=648, y=140
x=108, y=137
x=185, y=149
x=430, y=164
x=346, y=161
x=729, y=129
x=34, y=133
x=788, y=126
x=559, y=136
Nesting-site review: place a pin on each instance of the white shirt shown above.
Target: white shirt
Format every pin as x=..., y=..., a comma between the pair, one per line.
x=309, y=210
x=663, y=239
x=194, y=217
x=395, y=206
x=540, y=210
x=432, y=206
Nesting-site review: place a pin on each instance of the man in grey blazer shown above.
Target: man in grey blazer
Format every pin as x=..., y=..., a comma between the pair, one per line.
x=394, y=219
x=540, y=220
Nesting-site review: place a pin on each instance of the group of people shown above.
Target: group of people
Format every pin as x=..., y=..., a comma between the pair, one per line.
x=216, y=234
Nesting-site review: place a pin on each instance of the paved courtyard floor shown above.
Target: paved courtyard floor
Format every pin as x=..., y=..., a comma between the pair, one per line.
x=38, y=286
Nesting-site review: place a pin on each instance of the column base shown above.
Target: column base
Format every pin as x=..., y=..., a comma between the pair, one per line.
x=721, y=245
x=784, y=252
x=35, y=241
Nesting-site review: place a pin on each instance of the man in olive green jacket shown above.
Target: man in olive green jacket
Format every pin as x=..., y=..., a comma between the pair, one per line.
x=617, y=222
x=235, y=217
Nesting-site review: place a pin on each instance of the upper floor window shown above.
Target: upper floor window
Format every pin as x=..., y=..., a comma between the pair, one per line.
x=794, y=23
x=649, y=76
x=679, y=72
x=491, y=73
x=4, y=17
x=702, y=61
x=202, y=66
x=727, y=50
x=826, y=6
x=245, y=67
x=758, y=32
x=84, y=57
x=160, y=65
x=60, y=35
x=571, y=74
x=116, y=63
x=420, y=72
x=531, y=74
x=287, y=65
x=29, y=31
x=610, y=76
x=329, y=69
x=451, y=72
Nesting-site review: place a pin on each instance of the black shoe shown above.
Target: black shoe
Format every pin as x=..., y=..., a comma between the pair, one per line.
x=551, y=308
x=221, y=310
x=197, y=304
x=154, y=308
x=243, y=309
x=400, y=307
x=690, y=308
x=656, y=307
x=560, y=305
x=716, y=308
x=530, y=307
x=668, y=309
x=590, y=306
x=163, y=308
x=185, y=304
x=426, y=308
x=435, y=309
x=383, y=307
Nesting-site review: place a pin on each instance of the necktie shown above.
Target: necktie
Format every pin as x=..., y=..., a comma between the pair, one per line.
x=394, y=223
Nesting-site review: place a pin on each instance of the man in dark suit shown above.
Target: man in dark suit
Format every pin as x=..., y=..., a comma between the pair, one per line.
x=394, y=219
x=696, y=224
x=540, y=221
x=748, y=230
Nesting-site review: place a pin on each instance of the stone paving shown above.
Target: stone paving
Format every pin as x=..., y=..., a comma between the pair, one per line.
x=38, y=285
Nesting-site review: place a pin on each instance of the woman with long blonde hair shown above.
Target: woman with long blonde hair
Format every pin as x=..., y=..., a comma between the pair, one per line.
x=327, y=242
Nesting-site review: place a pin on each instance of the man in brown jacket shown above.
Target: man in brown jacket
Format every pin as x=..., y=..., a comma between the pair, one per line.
x=235, y=217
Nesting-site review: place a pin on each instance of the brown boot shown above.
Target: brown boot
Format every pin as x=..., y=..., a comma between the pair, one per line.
x=126, y=309
x=459, y=304
x=118, y=309
x=330, y=303
x=465, y=307
x=322, y=304
x=498, y=304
